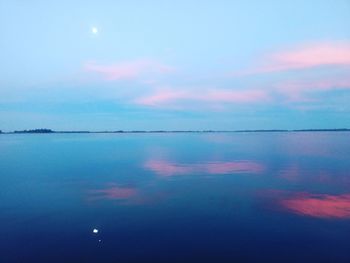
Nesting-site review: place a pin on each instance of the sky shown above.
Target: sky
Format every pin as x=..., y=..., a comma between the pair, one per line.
x=174, y=65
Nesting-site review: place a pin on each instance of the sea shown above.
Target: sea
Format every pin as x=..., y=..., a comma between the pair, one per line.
x=175, y=197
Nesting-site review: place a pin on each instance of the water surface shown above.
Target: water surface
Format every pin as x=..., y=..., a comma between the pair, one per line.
x=189, y=197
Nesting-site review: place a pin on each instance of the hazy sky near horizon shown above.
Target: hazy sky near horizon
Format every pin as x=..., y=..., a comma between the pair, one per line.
x=174, y=65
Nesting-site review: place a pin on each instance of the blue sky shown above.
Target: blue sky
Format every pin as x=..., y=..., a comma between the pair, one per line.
x=174, y=64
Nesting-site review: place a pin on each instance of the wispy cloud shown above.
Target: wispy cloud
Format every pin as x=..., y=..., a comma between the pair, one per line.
x=160, y=90
x=297, y=90
x=128, y=69
x=239, y=96
x=168, y=96
x=304, y=57
x=321, y=84
x=162, y=96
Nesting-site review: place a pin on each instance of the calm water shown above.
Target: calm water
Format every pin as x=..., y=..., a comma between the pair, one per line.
x=228, y=197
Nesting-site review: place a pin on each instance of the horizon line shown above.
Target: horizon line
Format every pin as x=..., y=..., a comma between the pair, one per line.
x=48, y=131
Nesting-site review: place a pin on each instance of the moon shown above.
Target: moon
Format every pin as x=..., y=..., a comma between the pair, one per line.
x=94, y=30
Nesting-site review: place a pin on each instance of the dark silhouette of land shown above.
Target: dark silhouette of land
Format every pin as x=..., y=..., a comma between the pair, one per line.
x=40, y=131
x=35, y=131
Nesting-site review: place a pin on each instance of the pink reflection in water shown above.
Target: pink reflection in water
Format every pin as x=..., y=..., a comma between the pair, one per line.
x=113, y=192
x=165, y=168
x=291, y=173
x=319, y=205
x=228, y=167
x=297, y=174
x=309, y=204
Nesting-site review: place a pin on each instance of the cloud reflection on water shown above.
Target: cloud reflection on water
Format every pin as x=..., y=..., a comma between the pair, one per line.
x=319, y=205
x=113, y=192
x=301, y=174
x=327, y=206
x=166, y=168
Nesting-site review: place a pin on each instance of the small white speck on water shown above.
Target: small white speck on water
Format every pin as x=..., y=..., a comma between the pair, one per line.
x=95, y=231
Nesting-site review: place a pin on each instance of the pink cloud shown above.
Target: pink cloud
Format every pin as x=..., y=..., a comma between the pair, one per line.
x=306, y=56
x=319, y=205
x=302, y=57
x=322, y=84
x=127, y=70
x=241, y=96
x=162, y=97
x=298, y=90
x=165, y=168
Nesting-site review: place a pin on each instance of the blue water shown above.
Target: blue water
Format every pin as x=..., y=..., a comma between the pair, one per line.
x=216, y=197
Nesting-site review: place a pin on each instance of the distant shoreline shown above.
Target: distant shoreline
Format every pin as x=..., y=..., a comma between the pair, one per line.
x=49, y=131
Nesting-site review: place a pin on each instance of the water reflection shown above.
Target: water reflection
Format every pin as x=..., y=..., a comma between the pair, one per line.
x=319, y=205
x=336, y=206
x=307, y=144
x=291, y=173
x=113, y=192
x=162, y=194
x=165, y=168
x=298, y=173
